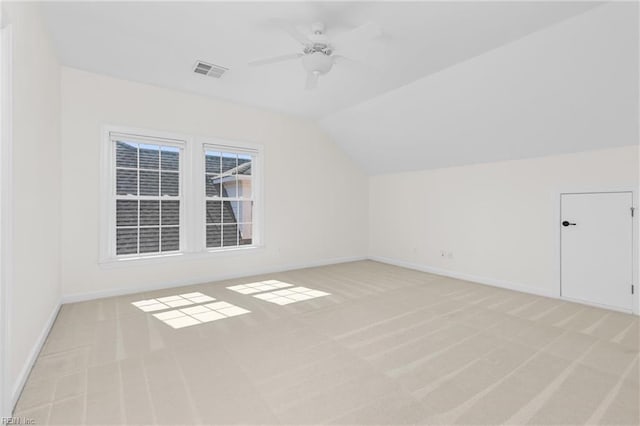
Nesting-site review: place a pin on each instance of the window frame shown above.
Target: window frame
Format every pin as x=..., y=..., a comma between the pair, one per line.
x=192, y=195
x=145, y=138
x=255, y=152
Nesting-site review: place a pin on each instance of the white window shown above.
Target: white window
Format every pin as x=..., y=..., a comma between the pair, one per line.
x=156, y=202
x=229, y=196
x=147, y=196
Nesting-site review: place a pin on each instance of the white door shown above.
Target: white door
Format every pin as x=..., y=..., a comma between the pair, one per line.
x=597, y=248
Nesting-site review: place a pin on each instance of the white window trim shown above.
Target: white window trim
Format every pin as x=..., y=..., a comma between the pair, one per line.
x=192, y=213
x=256, y=172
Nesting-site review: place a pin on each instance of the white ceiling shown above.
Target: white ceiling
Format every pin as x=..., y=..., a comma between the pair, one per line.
x=449, y=83
x=158, y=43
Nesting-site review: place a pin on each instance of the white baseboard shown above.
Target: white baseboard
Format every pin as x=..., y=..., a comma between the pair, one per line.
x=78, y=297
x=467, y=277
x=82, y=297
x=597, y=305
x=509, y=285
x=31, y=358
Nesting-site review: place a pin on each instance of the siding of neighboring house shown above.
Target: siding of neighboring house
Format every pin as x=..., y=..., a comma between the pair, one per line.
x=222, y=212
x=222, y=216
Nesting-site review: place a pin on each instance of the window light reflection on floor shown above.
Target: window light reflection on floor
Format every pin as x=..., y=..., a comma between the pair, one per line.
x=291, y=295
x=259, y=287
x=168, y=302
x=186, y=317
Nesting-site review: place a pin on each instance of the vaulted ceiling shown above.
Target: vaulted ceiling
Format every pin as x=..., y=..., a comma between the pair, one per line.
x=446, y=83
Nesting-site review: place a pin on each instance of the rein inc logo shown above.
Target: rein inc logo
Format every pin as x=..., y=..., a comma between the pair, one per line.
x=17, y=421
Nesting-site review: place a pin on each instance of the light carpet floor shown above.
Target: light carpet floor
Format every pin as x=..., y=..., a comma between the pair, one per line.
x=387, y=346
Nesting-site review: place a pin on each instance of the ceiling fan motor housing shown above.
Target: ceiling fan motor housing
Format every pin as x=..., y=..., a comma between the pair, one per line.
x=319, y=41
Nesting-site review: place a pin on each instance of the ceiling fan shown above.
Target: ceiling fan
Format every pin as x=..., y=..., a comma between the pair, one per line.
x=318, y=50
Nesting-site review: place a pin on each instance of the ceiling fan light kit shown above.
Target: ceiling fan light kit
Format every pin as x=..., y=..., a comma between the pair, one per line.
x=317, y=62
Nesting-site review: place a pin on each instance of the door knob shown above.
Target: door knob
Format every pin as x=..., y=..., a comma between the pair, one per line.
x=567, y=223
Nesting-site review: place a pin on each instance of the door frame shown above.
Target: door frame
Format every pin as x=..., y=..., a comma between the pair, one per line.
x=557, y=252
x=6, y=215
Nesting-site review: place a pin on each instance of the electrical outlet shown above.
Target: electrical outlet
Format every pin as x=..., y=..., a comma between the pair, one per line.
x=450, y=255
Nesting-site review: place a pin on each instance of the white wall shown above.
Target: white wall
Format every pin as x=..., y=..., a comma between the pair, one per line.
x=34, y=293
x=499, y=220
x=316, y=198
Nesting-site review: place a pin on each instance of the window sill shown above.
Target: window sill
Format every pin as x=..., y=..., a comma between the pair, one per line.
x=110, y=263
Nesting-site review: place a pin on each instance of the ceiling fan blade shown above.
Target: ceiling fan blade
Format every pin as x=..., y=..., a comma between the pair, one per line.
x=340, y=59
x=312, y=81
x=357, y=35
x=275, y=59
x=357, y=65
x=293, y=31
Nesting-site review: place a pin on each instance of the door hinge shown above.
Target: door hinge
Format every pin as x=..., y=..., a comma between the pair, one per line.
x=633, y=210
x=632, y=289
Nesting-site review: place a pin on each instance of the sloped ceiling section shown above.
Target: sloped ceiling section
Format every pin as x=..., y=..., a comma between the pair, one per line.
x=570, y=87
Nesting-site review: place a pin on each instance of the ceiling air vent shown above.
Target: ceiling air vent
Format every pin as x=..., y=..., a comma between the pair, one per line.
x=209, y=69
